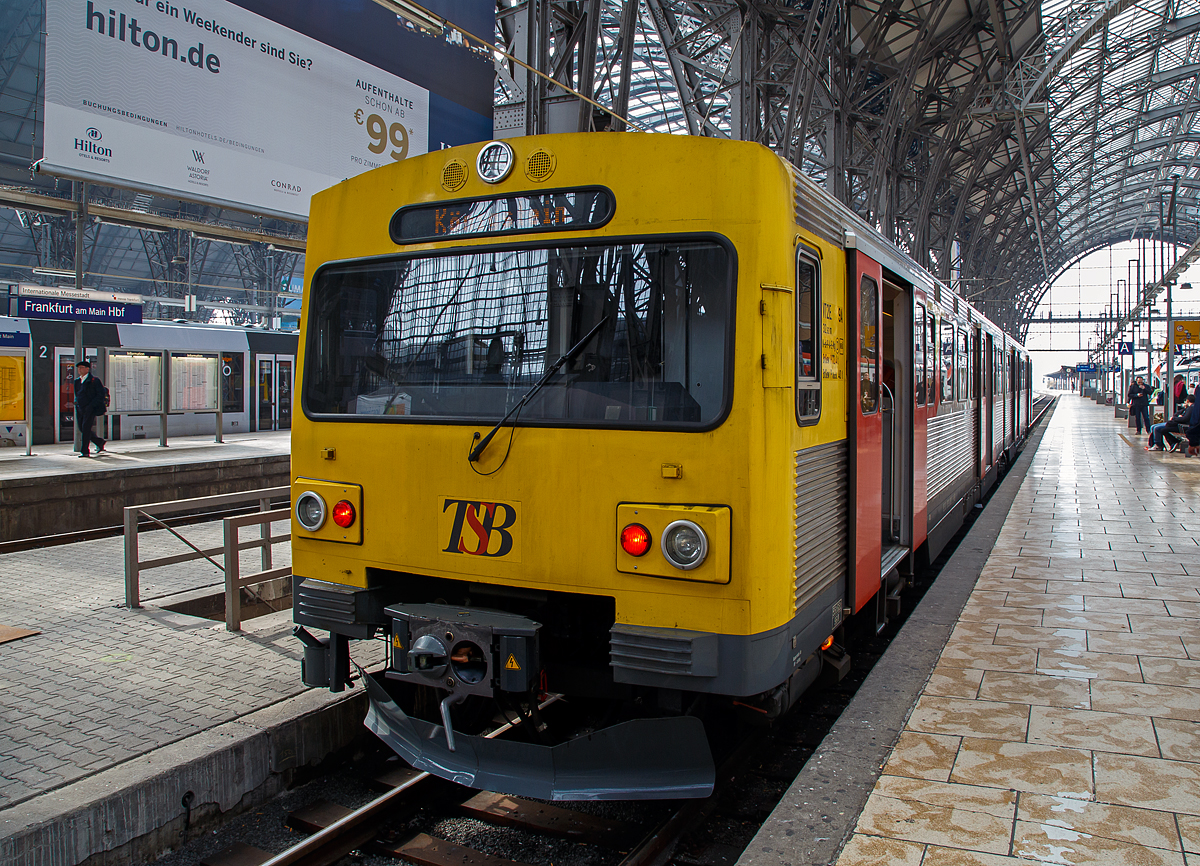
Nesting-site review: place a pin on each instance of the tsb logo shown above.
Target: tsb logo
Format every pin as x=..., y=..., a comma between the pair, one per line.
x=479, y=528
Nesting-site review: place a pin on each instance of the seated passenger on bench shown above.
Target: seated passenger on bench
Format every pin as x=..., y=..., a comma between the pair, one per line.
x=1171, y=430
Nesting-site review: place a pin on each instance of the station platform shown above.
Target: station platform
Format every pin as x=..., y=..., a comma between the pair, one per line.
x=121, y=731
x=125, y=454
x=56, y=492
x=1056, y=681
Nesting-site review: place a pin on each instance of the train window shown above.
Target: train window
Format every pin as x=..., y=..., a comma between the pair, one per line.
x=919, y=352
x=868, y=349
x=964, y=364
x=931, y=341
x=976, y=378
x=947, y=353
x=466, y=334
x=808, y=341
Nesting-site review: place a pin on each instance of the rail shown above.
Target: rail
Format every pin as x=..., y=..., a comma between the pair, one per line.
x=134, y=565
x=234, y=581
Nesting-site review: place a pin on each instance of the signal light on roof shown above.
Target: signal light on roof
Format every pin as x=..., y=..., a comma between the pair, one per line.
x=343, y=514
x=635, y=539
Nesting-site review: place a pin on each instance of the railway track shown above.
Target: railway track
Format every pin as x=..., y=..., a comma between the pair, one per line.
x=337, y=831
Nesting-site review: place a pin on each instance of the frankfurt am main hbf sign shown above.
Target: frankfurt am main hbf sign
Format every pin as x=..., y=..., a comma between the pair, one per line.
x=75, y=305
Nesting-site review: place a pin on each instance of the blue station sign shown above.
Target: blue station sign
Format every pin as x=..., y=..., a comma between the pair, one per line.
x=1125, y=348
x=1085, y=368
x=78, y=305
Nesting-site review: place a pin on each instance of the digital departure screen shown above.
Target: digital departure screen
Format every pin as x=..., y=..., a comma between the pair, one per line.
x=553, y=210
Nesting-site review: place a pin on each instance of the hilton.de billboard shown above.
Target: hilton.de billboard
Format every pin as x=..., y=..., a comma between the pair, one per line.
x=254, y=104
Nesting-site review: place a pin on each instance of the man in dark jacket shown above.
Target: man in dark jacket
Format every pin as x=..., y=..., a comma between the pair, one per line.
x=1139, y=404
x=89, y=402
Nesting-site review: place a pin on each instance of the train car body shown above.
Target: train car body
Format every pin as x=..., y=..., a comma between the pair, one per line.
x=735, y=417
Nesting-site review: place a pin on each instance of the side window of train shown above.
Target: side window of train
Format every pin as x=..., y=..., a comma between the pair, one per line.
x=931, y=376
x=808, y=341
x=976, y=375
x=964, y=365
x=947, y=353
x=868, y=348
x=919, y=352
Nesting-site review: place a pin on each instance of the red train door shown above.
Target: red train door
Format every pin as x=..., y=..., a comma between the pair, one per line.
x=989, y=405
x=922, y=409
x=866, y=425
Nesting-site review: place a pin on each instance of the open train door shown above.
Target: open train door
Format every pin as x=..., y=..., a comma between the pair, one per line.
x=866, y=423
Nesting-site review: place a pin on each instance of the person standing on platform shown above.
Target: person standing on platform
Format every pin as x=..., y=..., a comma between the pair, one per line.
x=89, y=402
x=1180, y=393
x=1139, y=403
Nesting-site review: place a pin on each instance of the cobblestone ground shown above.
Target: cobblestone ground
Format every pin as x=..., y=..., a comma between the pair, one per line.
x=102, y=684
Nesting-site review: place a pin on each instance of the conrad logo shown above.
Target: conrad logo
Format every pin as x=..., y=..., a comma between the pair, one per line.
x=284, y=186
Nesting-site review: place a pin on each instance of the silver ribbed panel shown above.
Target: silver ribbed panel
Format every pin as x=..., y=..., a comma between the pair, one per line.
x=822, y=504
x=948, y=446
x=997, y=428
x=815, y=214
x=663, y=651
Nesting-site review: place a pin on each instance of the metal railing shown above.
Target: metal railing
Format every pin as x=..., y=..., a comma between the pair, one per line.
x=134, y=565
x=234, y=581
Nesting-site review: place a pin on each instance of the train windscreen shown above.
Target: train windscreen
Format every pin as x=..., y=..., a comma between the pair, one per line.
x=464, y=335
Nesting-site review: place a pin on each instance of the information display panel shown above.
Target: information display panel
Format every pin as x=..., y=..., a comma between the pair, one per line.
x=195, y=383
x=134, y=382
x=12, y=388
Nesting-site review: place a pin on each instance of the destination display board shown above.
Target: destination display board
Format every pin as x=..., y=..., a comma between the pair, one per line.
x=282, y=98
x=134, y=382
x=195, y=383
x=558, y=210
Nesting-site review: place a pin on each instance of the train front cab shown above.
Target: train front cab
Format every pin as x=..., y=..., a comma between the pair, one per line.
x=523, y=549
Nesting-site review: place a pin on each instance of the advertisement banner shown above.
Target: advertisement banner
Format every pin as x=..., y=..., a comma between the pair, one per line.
x=241, y=104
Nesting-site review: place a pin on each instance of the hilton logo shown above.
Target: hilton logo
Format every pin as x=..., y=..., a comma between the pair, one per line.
x=88, y=147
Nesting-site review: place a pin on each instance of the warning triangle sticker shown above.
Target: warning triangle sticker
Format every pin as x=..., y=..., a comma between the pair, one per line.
x=511, y=664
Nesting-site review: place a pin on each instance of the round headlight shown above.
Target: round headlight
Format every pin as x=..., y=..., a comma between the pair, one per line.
x=310, y=510
x=684, y=544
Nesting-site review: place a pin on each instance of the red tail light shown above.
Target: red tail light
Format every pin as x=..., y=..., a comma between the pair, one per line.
x=635, y=539
x=343, y=514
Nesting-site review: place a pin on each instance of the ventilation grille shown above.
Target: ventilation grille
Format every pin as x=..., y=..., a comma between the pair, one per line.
x=454, y=175
x=814, y=214
x=949, y=447
x=540, y=165
x=821, y=539
x=674, y=652
x=998, y=411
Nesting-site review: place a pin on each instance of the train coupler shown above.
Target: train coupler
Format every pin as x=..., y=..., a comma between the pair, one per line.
x=642, y=759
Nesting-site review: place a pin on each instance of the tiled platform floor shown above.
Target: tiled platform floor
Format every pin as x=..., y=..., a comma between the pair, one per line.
x=1061, y=722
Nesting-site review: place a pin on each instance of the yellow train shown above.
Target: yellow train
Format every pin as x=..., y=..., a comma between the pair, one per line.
x=636, y=417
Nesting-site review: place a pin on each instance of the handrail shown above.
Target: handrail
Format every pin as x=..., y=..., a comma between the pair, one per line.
x=134, y=566
x=234, y=582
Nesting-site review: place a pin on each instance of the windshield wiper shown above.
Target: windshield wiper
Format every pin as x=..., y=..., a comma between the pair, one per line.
x=533, y=389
